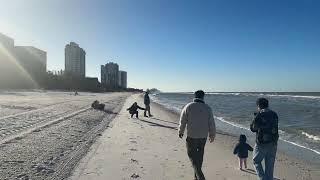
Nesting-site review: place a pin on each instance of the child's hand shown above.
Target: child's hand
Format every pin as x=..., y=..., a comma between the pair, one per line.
x=211, y=139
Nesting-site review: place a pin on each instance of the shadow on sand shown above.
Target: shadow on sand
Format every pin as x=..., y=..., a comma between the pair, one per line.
x=251, y=171
x=164, y=121
x=159, y=125
x=109, y=111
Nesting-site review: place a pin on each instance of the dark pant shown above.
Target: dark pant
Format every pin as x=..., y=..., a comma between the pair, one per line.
x=195, y=149
x=147, y=109
x=134, y=113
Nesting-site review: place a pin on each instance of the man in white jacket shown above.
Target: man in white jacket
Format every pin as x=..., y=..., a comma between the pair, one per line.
x=197, y=116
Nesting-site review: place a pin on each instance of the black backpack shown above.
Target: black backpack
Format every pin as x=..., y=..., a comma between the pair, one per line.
x=267, y=127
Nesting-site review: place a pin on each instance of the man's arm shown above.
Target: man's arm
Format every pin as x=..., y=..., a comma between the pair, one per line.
x=212, y=126
x=141, y=108
x=253, y=125
x=183, y=121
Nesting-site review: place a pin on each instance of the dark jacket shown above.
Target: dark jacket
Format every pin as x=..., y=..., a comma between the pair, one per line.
x=134, y=108
x=242, y=149
x=265, y=125
x=146, y=99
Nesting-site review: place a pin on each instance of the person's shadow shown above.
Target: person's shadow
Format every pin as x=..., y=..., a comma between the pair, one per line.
x=251, y=171
x=109, y=111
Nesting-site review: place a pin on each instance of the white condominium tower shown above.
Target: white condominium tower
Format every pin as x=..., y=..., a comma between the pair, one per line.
x=75, y=60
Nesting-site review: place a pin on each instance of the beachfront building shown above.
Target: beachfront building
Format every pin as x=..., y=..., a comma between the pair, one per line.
x=33, y=60
x=6, y=41
x=21, y=66
x=110, y=75
x=123, y=79
x=75, y=60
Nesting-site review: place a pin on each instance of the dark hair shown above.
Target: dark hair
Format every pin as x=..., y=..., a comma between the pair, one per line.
x=199, y=94
x=262, y=103
x=242, y=138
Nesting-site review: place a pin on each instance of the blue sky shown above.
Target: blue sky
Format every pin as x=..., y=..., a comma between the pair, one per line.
x=180, y=45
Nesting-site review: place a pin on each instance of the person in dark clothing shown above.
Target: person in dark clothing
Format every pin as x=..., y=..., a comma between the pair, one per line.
x=133, y=110
x=97, y=105
x=241, y=150
x=147, y=104
x=265, y=125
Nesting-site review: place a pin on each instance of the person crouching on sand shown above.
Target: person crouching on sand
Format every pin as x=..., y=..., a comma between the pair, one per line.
x=198, y=118
x=133, y=110
x=241, y=150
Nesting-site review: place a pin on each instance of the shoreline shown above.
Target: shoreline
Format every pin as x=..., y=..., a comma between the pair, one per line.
x=149, y=148
x=290, y=148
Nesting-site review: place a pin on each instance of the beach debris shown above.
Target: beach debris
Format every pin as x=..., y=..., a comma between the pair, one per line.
x=134, y=161
x=23, y=177
x=135, y=176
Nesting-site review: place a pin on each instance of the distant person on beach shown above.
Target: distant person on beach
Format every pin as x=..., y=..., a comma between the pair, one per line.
x=198, y=118
x=147, y=104
x=133, y=110
x=97, y=105
x=265, y=125
x=241, y=150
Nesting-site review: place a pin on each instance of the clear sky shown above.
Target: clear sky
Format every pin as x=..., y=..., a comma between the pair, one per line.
x=179, y=45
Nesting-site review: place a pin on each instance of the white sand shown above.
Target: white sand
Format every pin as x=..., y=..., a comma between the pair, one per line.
x=150, y=149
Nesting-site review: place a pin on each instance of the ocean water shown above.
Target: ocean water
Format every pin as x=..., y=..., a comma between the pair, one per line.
x=299, y=115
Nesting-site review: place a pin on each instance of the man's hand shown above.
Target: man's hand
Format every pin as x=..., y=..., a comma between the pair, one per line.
x=211, y=139
x=180, y=136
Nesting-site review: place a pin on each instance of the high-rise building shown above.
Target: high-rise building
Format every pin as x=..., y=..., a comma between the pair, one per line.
x=123, y=79
x=21, y=66
x=75, y=60
x=110, y=75
x=33, y=60
x=6, y=41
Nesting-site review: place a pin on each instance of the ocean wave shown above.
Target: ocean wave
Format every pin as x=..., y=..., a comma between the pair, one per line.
x=293, y=96
x=258, y=94
x=231, y=123
x=224, y=93
x=310, y=136
x=285, y=137
x=281, y=132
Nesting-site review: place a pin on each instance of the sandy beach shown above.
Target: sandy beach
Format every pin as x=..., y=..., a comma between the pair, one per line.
x=44, y=134
x=149, y=148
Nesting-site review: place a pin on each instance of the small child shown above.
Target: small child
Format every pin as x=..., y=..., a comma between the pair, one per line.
x=241, y=150
x=133, y=110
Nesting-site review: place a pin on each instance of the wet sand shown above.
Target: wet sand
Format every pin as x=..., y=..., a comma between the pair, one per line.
x=149, y=149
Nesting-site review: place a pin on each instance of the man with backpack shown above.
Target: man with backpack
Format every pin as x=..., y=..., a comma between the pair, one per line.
x=265, y=125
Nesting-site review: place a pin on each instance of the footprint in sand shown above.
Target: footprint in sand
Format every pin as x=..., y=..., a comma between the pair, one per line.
x=135, y=176
x=134, y=161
